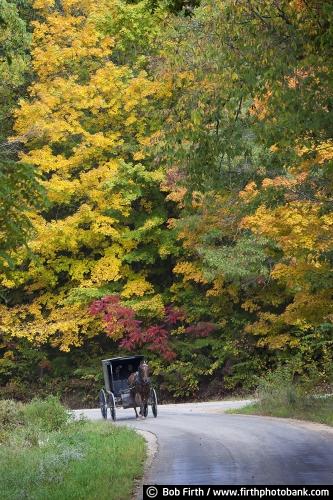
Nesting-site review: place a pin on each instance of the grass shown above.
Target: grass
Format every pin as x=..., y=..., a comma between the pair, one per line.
x=66, y=459
x=279, y=395
x=314, y=410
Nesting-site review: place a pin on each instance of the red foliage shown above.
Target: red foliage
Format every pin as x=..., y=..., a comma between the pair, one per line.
x=120, y=318
x=201, y=329
x=116, y=316
x=173, y=315
x=155, y=337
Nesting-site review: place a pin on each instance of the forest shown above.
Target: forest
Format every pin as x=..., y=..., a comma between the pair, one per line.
x=166, y=188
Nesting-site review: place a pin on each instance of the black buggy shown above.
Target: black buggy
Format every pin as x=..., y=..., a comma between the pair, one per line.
x=116, y=392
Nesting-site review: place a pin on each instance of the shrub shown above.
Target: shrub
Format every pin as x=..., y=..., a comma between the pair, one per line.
x=278, y=388
x=48, y=414
x=11, y=414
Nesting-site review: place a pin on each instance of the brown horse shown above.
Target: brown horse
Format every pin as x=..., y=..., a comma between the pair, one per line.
x=139, y=383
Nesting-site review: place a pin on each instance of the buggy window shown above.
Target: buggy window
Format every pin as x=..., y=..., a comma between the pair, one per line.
x=109, y=371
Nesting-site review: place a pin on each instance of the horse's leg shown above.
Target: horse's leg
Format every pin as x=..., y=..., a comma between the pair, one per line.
x=145, y=398
x=136, y=404
x=143, y=404
x=140, y=404
x=133, y=395
x=145, y=409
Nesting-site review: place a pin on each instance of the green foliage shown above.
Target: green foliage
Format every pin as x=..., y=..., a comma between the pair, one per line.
x=7, y=367
x=48, y=414
x=277, y=388
x=280, y=394
x=178, y=379
x=38, y=461
x=244, y=261
x=184, y=7
x=14, y=62
x=20, y=191
x=250, y=143
x=135, y=29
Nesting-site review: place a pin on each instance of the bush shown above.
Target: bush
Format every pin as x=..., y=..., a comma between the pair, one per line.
x=48, y=414
x=11, y=414
x=281, y=394
x=278, y=388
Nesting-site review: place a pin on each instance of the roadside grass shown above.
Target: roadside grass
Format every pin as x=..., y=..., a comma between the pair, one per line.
x=45, y=454
x=278, y=395
x=315, y=410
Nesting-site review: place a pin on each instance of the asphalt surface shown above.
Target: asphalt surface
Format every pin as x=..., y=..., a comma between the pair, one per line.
x=199, y=444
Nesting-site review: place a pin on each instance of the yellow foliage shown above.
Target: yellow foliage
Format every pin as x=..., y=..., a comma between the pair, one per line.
x=83, y=120
x=136, y=287
x=9, y=355
x=304, y=233
x=249, y=192
x=309, y=309
x=177, y=195
x=217, y=288
x=151, y=306
x=64, y=326
x=250, y=305
x=138, y=155
x=43, y=4
x=106, y=269
x=324, y=152
x=260, y=106
x=190, y=271
x=296, y=227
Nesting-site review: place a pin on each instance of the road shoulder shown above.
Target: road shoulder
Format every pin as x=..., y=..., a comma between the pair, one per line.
x=306, y=424
x=152, y=449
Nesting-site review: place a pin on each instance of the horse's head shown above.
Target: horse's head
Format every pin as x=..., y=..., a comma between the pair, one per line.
x=144, y=372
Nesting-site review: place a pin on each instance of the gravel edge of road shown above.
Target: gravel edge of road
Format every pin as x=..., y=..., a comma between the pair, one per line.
x=152, y=449
x=308, y=424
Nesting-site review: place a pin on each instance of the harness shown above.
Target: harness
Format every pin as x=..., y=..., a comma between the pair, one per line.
x=138, y=381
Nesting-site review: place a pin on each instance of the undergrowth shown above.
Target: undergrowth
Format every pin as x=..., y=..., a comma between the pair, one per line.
x=279, y=394
x=45, y=453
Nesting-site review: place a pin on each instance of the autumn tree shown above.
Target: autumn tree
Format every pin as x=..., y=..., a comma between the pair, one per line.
x=186, y=152
x=20, y=191
x=84, y=126
x=248, y=138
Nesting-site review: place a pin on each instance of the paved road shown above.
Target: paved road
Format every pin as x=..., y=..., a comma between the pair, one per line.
x=199, y=444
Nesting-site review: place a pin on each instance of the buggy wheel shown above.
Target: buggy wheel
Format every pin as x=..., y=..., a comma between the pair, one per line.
x=153, y=402
x=103, y=404
x=112, y=404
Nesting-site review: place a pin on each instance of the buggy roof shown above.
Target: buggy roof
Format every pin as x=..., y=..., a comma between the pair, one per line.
x=126, y=360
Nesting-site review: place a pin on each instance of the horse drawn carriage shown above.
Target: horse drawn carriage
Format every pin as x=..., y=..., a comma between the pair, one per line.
x=127, y=385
